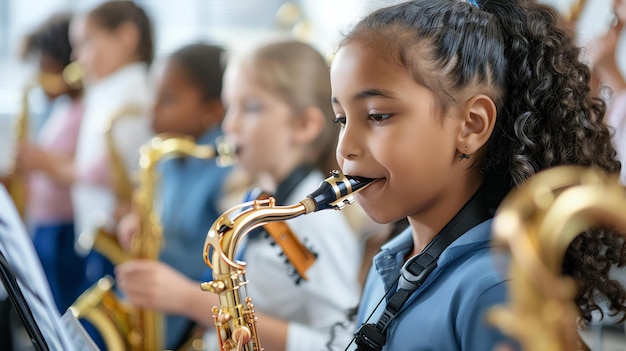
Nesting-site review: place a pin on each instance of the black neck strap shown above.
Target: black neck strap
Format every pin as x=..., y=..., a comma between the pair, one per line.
x=372, y=337
x=287, y=186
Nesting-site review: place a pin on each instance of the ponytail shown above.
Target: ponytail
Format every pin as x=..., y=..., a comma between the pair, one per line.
x=549, y=113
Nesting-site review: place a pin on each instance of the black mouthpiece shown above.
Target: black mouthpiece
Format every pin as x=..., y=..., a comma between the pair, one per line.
x=336, y=188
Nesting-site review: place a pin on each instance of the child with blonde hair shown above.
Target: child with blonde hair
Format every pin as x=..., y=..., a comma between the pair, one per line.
x=279, y=117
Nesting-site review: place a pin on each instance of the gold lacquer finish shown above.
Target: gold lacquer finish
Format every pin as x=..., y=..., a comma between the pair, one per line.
x=575, y=11
x=134, y=328
x=16, y=183
x=104, y=241
x=537, y=222
x=53, y=84
x=235, y=319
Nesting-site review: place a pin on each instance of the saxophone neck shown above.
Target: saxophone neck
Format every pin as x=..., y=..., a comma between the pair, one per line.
x=334, y=192
x=167, y=144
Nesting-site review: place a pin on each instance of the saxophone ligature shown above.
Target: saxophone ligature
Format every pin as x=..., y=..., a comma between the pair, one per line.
x=537, y=222
x=234, y=318
x=125, y=327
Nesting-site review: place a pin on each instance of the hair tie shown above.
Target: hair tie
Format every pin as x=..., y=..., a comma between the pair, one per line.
x=474, y=2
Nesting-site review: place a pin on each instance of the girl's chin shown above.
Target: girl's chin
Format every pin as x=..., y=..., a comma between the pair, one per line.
x=378, y=214
x=377, y=210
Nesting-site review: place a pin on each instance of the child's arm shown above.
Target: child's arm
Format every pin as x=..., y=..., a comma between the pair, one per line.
x=60, y=167
x=155, y=285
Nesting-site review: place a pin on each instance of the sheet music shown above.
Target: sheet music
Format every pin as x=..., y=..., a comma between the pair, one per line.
x=7, y=144
x=77, y=334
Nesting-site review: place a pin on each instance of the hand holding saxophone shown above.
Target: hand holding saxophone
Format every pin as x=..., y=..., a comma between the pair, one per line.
x=166, y=285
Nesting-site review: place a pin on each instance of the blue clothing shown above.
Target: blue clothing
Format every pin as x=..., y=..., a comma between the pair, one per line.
x=448, y=311
x=190, y=191
x=64, y=268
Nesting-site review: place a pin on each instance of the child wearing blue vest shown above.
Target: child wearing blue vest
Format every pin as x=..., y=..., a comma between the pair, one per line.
x=188, y=102
x=449, y=105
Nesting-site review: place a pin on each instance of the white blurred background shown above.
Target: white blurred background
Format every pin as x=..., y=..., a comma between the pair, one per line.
x=231, y=23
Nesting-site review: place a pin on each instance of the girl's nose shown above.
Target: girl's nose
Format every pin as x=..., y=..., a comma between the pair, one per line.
x=349, y=145
x=230, y=122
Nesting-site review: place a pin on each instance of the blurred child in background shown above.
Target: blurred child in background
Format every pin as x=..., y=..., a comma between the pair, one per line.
x=188, y=102
x=113, y=44
x=50, y=161
x=279, y=116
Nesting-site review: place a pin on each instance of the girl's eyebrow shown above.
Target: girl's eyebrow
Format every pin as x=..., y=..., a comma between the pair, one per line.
x=368, y=93
x=374, y=93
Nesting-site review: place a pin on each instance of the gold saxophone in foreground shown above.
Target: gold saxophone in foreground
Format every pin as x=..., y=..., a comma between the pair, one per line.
x=234, y=318
x=125, y=327
x=537, y=222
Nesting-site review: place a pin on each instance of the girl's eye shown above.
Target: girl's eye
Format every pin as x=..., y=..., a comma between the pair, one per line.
x=252, y=107
x=379, y=117
x=339, y=120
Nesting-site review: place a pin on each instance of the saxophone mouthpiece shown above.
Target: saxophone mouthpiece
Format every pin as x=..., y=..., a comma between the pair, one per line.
x=338, y=190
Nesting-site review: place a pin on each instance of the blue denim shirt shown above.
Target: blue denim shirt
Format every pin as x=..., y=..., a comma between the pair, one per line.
x=448, y=311
x=190, y=191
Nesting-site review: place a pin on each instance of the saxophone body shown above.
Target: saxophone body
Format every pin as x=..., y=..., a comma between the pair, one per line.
x=50, y=83
x=537, y=222
x=16, y=182
x=125, y=327
x=575, y=11
x=234, y=318
x=103, y=240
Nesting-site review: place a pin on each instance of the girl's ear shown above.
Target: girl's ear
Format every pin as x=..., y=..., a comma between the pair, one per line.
x=308, y=125
x=478, y=120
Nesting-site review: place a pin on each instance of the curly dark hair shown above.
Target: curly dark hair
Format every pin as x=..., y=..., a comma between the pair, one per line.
x=519, y=54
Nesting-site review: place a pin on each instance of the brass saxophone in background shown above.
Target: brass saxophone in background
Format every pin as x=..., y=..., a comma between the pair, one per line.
x=537, y=222
x=48, y=82
x=234, y=317
x=124, y=327
x=575, y=11
x=104, y=241
x=16, y=182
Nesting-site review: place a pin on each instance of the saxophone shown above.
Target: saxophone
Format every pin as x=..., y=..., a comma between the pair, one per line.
x=124, y=327
x=49, y=82
x=537, y=222
x=103, y=240
x=575, y=11
x=234, y=318
x=16, y=183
